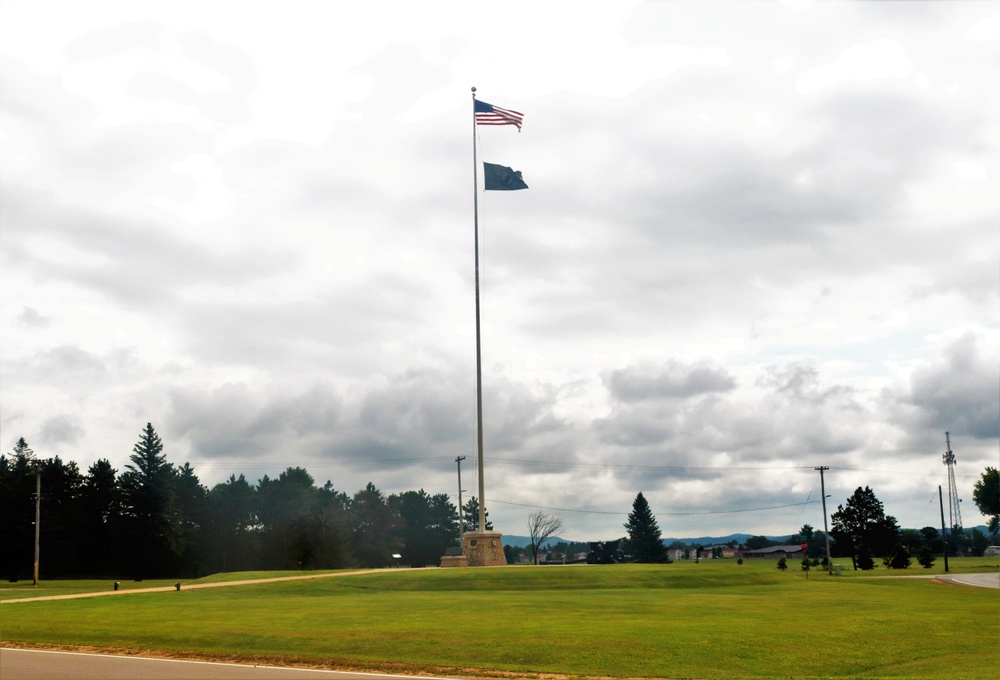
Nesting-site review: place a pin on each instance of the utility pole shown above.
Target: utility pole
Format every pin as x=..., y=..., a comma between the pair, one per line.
x=943, y=534
x=38, y=518
x=826, y=531
x=461, y=522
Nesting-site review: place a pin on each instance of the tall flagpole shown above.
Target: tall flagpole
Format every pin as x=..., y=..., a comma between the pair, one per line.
x=479, y=350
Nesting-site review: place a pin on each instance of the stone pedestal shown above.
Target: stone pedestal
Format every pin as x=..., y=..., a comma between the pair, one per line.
x=454, y=561
x=483, y=548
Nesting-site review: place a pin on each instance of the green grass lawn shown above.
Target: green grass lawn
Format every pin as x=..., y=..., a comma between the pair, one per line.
x=715, y=619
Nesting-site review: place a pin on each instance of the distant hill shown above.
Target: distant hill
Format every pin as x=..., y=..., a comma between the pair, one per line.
x=718, y=540
x=525, y=541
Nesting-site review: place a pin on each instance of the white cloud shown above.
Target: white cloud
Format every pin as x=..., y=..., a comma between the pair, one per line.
x=884, y=58
x=985, y=29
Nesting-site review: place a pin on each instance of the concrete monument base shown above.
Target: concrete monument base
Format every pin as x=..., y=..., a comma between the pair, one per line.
x=454, y=561
x=483, y=548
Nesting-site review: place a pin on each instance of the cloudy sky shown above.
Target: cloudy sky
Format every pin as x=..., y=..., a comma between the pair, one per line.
x=759, y=238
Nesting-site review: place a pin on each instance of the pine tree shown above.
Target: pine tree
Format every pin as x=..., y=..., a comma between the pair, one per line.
x=644, y=542
x=147, y=455
x=376, y=536
x=148, y=497
x=470, y=516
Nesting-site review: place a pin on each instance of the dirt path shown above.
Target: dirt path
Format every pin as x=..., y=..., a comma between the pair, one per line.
x=190, y=586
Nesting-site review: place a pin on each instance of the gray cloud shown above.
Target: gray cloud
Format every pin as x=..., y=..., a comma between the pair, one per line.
x=233, y=421
x=133, y=263
x=671, y=381
x=960, y=393
x=31, y=318
x=66, y=363
x=61, y=429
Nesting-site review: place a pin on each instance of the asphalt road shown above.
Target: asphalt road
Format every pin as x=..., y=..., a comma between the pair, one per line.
x=989, y=580
x=26, y=664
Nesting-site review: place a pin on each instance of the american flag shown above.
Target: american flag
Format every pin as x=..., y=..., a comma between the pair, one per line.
x=487, y=114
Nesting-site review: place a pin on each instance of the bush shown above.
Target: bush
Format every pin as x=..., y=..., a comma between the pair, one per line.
x=864, y=561
x=782, y=564
x=900, y=558
x=926, y=557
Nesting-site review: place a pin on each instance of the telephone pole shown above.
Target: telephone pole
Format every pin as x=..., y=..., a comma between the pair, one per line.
x=461, y=522
x=943, y=534
x=826, y=532
x=38, y=519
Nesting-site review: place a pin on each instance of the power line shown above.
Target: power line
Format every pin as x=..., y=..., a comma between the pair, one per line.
x=665, y=514
x=613, y=466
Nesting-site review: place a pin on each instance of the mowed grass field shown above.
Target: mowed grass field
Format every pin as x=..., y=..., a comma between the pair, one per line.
x=715, y=619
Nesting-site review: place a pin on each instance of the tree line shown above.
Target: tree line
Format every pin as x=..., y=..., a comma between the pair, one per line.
x=156, y=519
x=860, y=530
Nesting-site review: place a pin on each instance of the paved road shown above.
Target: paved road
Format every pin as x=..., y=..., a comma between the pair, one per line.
x=990, y=580
x=25, y=664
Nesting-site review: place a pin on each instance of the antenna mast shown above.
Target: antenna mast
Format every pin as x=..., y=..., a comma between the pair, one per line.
x=954, y=511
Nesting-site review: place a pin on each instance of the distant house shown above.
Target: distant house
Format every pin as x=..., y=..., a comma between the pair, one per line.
x=720, y=551
x=676, y=554
x=775, y=552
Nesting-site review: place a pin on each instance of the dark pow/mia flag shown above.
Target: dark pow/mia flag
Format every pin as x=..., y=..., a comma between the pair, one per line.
x=502, y=178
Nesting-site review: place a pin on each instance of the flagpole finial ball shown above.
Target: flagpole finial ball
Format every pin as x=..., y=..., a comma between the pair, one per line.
x=473, y=88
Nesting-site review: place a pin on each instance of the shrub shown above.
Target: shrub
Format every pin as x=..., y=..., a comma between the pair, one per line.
x=900, y=559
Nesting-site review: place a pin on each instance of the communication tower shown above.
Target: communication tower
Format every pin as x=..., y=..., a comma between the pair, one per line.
x=954, y=511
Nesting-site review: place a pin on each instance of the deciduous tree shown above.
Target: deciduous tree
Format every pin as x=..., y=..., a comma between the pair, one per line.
x=541, y=527
x=862, y=530
x=288, y=511
x=758, y=542
x=986, y=494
